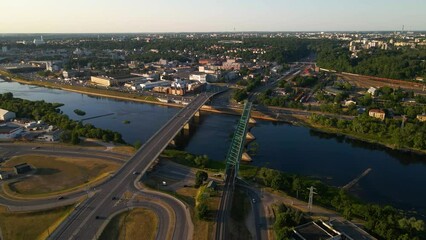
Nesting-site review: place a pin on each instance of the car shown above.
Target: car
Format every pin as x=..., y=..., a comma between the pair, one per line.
x=135, y=173
x=253, y=200
x=60, y=198
x=114, y=198
x=34, y=148
x=164, y=183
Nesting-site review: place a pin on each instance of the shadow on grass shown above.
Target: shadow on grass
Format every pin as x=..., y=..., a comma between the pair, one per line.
x=46, y=171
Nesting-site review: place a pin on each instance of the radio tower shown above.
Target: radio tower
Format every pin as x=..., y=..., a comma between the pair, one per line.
x=311, y=197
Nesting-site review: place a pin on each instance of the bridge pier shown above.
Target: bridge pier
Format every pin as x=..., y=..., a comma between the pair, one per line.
x=250, y=137
x=172, y=143
x=246, y=157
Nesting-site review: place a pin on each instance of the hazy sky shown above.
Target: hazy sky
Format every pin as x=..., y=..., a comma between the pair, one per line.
x=27, y=16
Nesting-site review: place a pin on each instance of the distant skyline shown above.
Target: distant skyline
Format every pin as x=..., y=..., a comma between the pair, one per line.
x=126, y=16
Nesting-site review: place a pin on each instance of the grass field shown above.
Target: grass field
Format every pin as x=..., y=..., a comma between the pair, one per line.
x=204, y=228
x=138, y=223
x=57, y=174
x=31, y=225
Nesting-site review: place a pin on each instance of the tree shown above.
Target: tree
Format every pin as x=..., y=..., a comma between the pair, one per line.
x=202, y=210
x=137, y=144
x=200, y=177
x=297, y=185
x=75, y=138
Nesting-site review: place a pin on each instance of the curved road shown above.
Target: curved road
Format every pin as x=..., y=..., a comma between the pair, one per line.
x=102, y=204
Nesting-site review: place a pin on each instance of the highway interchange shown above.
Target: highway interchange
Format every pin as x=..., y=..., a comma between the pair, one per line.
x=105, y=200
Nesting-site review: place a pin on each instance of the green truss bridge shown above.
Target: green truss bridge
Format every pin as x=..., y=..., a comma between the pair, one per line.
x=233, y=159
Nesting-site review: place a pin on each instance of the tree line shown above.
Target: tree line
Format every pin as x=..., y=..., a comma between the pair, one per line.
x=384, y=222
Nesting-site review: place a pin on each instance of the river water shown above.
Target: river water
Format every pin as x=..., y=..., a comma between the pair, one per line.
x=396, y=178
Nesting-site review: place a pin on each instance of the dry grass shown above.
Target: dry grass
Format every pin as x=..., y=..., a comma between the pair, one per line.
x=138, y=223
x=57, y=174
x=124, y=150
x=204, y=230
x=30, y=225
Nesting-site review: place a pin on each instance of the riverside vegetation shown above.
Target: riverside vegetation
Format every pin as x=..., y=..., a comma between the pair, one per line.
x=51, y=114
x=384, y=222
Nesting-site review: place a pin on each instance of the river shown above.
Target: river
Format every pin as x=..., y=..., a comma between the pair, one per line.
x=396, y=177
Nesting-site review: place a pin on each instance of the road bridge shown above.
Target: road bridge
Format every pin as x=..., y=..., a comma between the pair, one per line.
x=233, y=159
x=92, y=214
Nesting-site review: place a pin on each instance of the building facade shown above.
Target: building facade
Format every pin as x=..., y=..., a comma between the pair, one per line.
x=377, y=113
x=6, y=115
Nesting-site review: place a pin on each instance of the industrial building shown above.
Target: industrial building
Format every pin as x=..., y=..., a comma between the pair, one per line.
x=151, y=85
x=6, y=115
x=22, y=168
x=105, y=81
x=9, y=131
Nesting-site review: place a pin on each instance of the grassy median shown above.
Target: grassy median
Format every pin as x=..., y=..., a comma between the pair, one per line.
x=54, y=175
x=31, y=225
x=138, y=223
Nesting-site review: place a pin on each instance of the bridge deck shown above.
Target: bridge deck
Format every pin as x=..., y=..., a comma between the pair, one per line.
x=88, y=218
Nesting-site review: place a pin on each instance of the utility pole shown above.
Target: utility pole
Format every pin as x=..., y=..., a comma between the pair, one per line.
x=311, y=197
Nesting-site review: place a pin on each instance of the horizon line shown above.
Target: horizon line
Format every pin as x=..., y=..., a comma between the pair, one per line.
x=229, y=31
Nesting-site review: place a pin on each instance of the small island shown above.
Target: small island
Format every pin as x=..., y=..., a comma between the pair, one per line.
x=126, y=122
x=79, y=112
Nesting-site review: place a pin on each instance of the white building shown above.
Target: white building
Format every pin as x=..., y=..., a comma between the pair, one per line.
x=151, y=85
x=6, y=115
x=38, y=42
x=372, y=91
x=51, y=136
x=4, y=49
x=202, y=78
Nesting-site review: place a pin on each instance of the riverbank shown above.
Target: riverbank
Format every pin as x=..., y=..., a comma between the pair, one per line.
x=331, y=198
x=294, y=118
x=126, y=96
x=359, y=137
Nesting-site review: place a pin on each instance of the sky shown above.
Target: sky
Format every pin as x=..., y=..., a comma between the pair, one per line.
x=111, y=16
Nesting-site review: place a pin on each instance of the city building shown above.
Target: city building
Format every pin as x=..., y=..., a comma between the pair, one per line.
x=200, y=77
x=6, y=115
x=231, y=64
x=377, y=113
x=151, y=85
x=4, y=49
x=38, y=42
x=105, y=81
x=22, y=168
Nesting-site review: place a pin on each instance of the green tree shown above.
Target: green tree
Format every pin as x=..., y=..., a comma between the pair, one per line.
x=75, y=139
x=200, y=177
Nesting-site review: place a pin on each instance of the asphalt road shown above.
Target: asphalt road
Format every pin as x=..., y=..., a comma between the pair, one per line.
x=92, y=214
x=10, y=149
